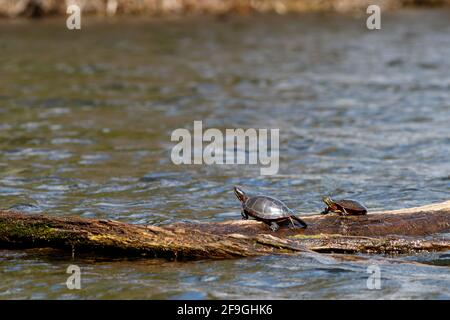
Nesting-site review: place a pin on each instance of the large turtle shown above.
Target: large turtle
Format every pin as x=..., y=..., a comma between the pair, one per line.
x=344, y=207
x=267, y=209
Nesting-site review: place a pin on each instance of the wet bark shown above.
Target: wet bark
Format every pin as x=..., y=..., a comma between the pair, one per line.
x=399, y=231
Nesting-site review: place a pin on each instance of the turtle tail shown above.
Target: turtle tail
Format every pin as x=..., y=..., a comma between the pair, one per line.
x=300, y=221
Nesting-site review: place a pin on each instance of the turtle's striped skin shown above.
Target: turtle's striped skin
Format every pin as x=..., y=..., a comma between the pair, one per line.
x=267, y=209
x=344, y=207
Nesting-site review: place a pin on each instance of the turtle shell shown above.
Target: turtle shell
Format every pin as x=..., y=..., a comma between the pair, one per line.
x=351, y=205
x=267, y=208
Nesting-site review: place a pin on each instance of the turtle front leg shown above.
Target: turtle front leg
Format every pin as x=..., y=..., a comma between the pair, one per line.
x=244, y=215
x=326, y=210
x=344, y=212
x=274, y=226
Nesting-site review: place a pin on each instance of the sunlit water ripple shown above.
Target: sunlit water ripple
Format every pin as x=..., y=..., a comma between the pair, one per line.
x=86, y=118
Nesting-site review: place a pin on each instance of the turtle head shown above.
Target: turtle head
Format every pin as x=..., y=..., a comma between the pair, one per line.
x=328, y=201
x=240, y=194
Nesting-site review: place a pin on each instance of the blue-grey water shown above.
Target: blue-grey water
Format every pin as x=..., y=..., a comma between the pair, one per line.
x=86, y=118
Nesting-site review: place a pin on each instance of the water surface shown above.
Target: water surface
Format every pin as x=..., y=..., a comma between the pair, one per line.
x=86, y=119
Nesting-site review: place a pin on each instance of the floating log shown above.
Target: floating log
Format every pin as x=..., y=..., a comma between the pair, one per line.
x=399, y=231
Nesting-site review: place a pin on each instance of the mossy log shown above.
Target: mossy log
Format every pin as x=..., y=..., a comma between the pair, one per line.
x=399, y=231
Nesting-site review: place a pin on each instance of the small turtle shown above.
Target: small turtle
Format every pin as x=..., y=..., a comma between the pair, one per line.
x=269, y=210
x=344, y=207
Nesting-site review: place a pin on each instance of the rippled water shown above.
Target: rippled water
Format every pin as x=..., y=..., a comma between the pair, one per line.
x=86, y=119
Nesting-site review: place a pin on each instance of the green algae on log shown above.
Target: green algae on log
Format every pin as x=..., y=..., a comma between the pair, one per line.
x=399, y=231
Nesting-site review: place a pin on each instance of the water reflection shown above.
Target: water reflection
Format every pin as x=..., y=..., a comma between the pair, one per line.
x=85, y=130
